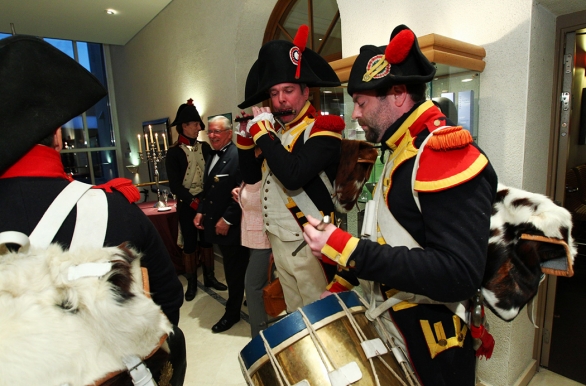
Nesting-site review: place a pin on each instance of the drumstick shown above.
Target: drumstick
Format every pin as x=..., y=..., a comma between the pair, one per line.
x=275, y=114
x=320, y=227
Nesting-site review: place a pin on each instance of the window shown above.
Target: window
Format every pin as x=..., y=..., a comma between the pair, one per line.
x=325, y=29
x=89, y=146
x=322, y=17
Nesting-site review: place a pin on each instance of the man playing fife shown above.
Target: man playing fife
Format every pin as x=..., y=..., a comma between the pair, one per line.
x=299, y=157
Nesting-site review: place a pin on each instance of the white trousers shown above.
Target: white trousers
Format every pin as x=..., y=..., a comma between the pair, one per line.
x=301, y=276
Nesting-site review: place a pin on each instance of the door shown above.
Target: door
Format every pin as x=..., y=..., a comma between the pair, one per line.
x=563, y=337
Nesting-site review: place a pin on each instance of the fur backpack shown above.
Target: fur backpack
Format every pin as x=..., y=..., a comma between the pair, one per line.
x=529, y=236
x=76, y=317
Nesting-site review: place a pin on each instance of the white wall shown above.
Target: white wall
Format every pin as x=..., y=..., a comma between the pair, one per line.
x=198, y=49
x=203, y=49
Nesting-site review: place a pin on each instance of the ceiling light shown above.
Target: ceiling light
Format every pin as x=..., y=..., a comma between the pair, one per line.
x=467, y=80
x=111, y=12
x=327, y=92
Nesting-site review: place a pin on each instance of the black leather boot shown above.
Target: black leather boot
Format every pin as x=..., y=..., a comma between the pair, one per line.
x=190, y=269
x=191, y=290
x=209, y=279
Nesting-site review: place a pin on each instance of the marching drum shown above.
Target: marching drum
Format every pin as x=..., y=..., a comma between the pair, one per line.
x=328, y=342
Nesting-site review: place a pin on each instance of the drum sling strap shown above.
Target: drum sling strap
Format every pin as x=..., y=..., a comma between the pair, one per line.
x=90, y=231
x=299, y=198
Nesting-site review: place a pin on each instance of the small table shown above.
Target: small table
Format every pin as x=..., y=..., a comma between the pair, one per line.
x=167, y=224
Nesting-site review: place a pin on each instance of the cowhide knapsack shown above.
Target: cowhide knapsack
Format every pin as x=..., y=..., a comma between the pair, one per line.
x=529, y=236
x=81, y=316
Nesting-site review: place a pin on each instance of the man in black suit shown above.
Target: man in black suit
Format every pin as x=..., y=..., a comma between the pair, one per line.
x=219, y=216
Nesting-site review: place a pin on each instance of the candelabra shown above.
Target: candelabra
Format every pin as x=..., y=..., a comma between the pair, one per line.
x=154, y=155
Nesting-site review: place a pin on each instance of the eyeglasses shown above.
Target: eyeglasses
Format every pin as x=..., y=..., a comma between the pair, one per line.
x=217, y=132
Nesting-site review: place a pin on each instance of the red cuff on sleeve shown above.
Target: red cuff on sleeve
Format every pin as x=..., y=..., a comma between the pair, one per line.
x=337, y=288
x=255, y=129
x=338, y=240
x=244, y=143
x=339, y=284
x=327, y=260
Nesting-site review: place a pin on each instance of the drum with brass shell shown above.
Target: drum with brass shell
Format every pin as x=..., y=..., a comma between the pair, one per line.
x=322, y=344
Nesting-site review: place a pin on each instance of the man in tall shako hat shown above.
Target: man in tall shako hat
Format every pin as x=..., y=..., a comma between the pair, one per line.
x=299, y=160
x=185, y=168
x=428, y=236
x=41, y=89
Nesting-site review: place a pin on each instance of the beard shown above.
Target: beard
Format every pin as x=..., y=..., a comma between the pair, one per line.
x=376, y=122
x=372, y=134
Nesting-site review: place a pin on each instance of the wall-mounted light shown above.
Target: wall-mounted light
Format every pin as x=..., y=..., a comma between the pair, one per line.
x=132, y=168
x=111, y=12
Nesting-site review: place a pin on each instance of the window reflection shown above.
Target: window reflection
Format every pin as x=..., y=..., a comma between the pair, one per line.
x=101, y=168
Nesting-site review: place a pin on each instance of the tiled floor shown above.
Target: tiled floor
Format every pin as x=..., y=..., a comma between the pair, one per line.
x=547, y=378
x=212, y=359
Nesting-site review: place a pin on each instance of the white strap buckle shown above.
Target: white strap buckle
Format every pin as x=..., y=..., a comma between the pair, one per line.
x=374, y=347
x=345, y=375
x=88, y=270
x=141, y=375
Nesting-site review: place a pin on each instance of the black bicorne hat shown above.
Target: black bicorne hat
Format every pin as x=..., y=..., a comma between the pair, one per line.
x=41, y=88
x=281, y=61
x=187, y=113
x=400, y=62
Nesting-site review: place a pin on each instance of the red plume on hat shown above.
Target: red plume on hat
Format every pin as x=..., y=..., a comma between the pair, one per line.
x=300, y=41
x=399, y=46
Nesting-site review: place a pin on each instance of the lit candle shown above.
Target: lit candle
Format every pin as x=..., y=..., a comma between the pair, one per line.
x=151, y=131
x=146, y=141
x=139, y=144
x=164, y=141
x=157, y=138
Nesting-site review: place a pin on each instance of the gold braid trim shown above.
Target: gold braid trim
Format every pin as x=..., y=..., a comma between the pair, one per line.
x=443, y=343
x=450, y=138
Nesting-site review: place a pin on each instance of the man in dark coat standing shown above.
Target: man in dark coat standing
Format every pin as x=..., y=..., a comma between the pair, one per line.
x=219, y=215
x=185, y=168
x=41, y=89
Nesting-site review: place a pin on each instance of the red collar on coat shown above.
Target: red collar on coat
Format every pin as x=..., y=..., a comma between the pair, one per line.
x=40, y=161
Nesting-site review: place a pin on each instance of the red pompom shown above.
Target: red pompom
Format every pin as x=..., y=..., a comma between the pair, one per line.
x=190, y=102
x=301, y=37
x=399, y=46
